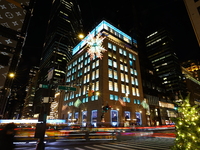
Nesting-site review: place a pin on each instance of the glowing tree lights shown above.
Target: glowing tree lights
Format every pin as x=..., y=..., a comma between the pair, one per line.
x=95, y=45
x=187, y=127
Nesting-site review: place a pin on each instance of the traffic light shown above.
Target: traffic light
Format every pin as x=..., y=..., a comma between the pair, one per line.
x=106, y=108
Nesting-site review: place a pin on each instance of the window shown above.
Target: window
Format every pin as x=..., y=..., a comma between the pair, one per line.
x=133, y=91
x=122, y=77
x=135, y=101
x=97, y=86
x=111, y=97
x=97, y=73
x=97, y=63
x=126, y=77
x=127, y=89
x=121, y=67
x=120, y=51
x=123, y=88
x=114, y=48
x=110, y=85
x=110, y=45
x=132, y=80
x=93, y=75
x=137, y=92
x=115, y=64
x=115, y=74
x=110, y=75
x=109, y=62
x=116, y=86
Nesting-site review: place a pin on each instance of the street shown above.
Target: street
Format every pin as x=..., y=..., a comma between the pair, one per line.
x=139, y=143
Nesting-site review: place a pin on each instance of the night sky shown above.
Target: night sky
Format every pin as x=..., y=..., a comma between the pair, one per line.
x=169, y=12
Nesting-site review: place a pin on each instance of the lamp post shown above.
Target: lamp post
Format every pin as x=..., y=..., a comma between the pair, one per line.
x=10, y=78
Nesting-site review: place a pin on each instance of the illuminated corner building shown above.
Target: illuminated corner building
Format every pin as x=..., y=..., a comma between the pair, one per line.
x=193, y=9
x=61, y=36
x=116, y=75
x=160, y=51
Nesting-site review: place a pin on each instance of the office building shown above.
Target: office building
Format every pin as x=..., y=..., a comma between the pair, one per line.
x=110, y=89
x=64, y=25
x=160, y=51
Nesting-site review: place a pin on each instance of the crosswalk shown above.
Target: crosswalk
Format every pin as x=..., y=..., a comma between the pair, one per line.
x=135, y=144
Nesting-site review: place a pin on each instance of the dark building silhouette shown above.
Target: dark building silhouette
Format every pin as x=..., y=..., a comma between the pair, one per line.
x=160, y=51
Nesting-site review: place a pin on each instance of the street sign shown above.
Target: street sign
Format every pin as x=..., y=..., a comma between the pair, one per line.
x=43, y=86
x=66, y=88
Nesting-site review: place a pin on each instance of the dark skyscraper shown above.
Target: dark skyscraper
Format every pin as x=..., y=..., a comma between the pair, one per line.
x=64, y=25
x=160, y=51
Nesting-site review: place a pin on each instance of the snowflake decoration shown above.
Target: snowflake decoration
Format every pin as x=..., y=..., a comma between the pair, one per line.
x=95, y=46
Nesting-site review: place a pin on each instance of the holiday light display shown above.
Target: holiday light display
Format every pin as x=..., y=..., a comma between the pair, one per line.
x=187, y=127
x=95, y=45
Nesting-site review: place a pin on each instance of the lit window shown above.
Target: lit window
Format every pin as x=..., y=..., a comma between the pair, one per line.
x=120, y=51
x=111, y=97
x=97, y=63
x=97, y=73
x=136, y=81
x=127, y=89
x=93, y=65
x=123, y=88
x=138, y=101
x=110, y=75
x=116, y=86
x=93, y=75
x=132, y=80
x=126, y=68
x=110, y=45
x=124, y=53
x=133, y=91
x=137, y=92
x=121, y=67
x=97, y=86
x=126, y=77
x=114, y=48
x=115, y=74
x=135, y=72
x=116, y=98
x=115, y=64
x=122, y=77
x=110, y=85
x=109, y=62
x=135, y=101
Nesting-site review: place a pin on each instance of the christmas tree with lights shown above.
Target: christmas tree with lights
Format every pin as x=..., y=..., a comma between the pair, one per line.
x=187, y=127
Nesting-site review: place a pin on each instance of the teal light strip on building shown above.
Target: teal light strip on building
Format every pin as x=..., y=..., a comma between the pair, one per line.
x=104, y=25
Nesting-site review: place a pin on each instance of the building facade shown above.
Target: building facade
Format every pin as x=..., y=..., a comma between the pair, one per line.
x=160, y=51
x=114, y=80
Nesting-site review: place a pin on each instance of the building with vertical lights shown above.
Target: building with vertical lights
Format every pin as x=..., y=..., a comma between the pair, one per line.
x=110, y=89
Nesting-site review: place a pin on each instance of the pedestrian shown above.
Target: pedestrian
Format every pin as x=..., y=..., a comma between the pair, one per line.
x=7, y=137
